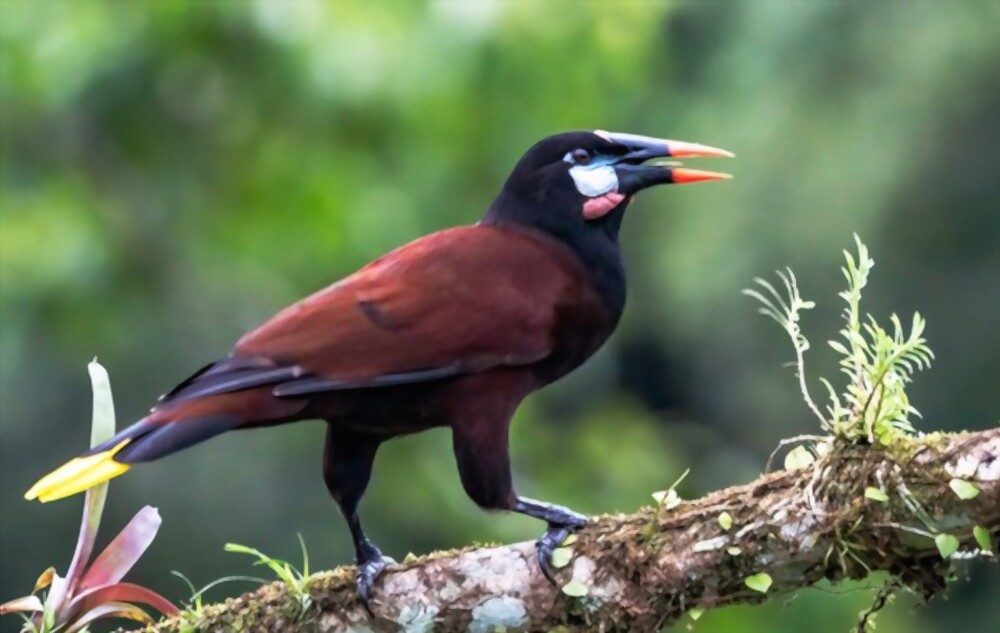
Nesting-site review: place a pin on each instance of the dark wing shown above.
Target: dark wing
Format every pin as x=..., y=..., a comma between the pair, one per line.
x=452, y=303
x=232, y=374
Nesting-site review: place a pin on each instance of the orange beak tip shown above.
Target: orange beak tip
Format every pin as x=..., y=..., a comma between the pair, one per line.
x=684, y=176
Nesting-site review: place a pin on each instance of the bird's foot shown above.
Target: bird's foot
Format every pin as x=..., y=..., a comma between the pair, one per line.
x=553, y=538
x=562, y=522
x=369, y=570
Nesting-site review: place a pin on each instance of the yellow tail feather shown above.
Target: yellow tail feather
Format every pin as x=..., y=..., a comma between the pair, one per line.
x=77, y=475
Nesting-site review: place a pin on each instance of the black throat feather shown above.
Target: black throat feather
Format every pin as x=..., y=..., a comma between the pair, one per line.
x=595, y=242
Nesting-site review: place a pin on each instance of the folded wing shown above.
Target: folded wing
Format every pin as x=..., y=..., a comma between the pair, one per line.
x=456, y=302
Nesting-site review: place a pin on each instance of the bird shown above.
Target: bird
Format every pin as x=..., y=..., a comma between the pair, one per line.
x=454, y=329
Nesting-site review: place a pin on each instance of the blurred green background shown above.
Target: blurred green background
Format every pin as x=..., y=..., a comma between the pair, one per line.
x=171, y=173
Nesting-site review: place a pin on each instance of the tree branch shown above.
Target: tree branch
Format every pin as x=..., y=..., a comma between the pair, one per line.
x=643, y=570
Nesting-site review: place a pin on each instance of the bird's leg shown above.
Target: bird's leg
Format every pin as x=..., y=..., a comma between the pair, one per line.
x=347, y=467
x=371, y=561
x=484, y=467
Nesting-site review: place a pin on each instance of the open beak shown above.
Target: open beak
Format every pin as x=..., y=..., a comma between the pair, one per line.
x=634, y=176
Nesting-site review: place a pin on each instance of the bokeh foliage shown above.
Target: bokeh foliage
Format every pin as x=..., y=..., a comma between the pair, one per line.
x=173, y=172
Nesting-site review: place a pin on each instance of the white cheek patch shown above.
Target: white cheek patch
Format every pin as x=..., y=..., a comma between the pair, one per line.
x=594, y=180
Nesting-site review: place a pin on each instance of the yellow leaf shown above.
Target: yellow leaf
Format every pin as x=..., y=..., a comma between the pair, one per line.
x=725, y=521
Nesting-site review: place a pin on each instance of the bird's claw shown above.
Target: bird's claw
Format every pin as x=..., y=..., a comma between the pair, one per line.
x=368, y=572
x=552, y=539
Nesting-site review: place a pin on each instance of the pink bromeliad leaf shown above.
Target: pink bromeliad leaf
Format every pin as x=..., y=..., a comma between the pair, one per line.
x=56, y=598
x=122, y=592
x=20, y=605
x=109, y=610
x=123, y=552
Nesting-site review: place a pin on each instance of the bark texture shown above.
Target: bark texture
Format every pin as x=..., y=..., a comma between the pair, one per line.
x=637, y=572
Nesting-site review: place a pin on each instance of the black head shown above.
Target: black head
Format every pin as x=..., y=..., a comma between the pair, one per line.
x=568, y=181
x=575, y=186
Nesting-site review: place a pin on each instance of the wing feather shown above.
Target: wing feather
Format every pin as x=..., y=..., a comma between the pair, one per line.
x=456, y=302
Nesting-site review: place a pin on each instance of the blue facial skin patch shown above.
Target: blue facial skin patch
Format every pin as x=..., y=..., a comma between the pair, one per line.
x=596, y=178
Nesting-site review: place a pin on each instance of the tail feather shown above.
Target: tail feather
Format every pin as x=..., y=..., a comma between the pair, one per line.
x=167, y=430
x=142, y=442
x=78, y=475
x=169, y=438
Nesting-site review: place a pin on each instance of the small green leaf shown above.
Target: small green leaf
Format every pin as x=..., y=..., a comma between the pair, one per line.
x=759, y=582
x=561, y=557
x=983, y=538
x=575, y=588
x=798, y=457
x=964, y=489
x=734, y=551
x=946, y=544
x=839, y=348
x=725, y=521
x=875, y=494
x=886, y=436
x=696, y=612
x=305, y=556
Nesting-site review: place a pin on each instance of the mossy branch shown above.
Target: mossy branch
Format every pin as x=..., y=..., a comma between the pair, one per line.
x=639, y=571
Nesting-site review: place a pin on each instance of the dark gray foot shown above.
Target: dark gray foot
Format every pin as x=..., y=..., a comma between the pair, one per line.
x=562, y=522
x=552, y=539
x=368, y=572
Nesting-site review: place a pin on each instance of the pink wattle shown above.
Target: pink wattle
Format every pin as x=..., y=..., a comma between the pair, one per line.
x=596, y=207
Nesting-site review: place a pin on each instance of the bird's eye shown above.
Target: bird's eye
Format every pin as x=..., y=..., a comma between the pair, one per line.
x=580, y=156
